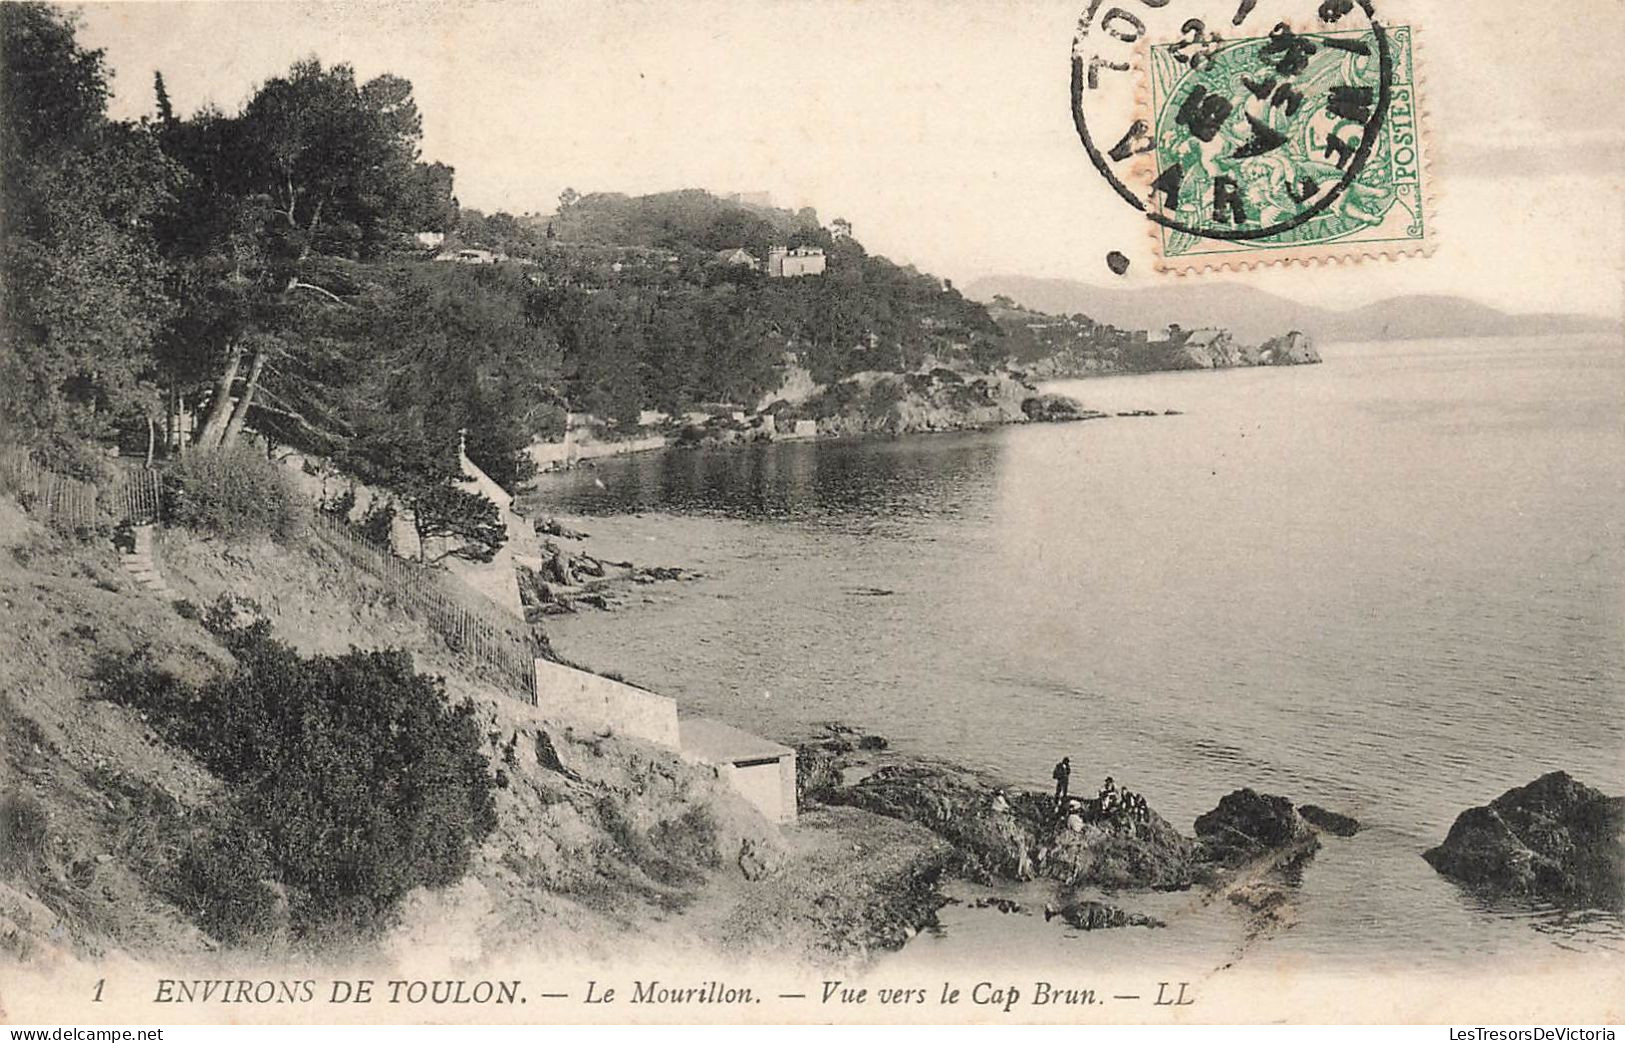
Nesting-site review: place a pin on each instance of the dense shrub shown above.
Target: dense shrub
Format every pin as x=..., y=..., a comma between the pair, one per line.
x=354, y=778
x=234, y=492
x=222, y=876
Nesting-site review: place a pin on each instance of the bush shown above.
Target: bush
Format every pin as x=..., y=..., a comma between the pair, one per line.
x=378, y=522
x=221, y=878
x=22, y=830
x=353, y=775
x=235, y=493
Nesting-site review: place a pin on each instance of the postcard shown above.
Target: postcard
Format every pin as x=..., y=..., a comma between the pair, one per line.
x=1095, y=512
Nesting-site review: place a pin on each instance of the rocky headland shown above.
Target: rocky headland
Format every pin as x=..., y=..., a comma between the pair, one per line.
x=886, y=403
x=1554, y=840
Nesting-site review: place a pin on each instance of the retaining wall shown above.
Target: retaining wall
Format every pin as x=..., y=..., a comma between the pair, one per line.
x=601, y=703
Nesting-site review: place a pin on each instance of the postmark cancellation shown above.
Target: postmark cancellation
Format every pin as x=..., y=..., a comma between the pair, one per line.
x=1300, y=143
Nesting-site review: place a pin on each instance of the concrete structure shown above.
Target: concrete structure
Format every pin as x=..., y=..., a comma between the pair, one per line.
x=432, y=240
x=784, y=263
x=555, y=456
x=762, y=772
x=496, y=578
x=606, y=705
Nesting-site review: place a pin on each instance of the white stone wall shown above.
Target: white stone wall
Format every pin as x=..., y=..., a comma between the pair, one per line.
x=605, y=705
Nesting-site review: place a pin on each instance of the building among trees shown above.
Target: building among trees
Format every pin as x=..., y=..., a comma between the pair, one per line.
x=784, y=263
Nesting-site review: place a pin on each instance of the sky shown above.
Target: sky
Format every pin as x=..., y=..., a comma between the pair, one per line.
x=940, y=129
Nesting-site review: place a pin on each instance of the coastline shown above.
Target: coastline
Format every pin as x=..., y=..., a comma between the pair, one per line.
x=959, y=858
x=1223, y=906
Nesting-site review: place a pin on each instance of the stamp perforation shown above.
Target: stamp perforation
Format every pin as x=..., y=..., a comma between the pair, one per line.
x=1142, y=171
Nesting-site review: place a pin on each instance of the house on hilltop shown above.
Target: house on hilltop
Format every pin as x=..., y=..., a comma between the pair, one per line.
x=784, y=263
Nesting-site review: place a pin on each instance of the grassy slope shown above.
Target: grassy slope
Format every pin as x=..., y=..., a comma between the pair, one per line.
x=625, y=841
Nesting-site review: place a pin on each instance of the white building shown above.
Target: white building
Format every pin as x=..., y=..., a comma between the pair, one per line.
x=783, y=263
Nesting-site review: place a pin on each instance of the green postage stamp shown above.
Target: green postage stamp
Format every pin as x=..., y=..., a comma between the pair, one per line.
x=1285, y=147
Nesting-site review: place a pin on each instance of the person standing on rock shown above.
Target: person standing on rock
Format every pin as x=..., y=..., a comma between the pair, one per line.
x=1063, y=776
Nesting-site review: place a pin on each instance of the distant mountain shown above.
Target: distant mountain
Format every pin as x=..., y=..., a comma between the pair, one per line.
x=1254, y=315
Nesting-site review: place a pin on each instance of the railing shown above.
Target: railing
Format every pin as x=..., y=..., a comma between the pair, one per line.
x=506, y=652
x=134, y=496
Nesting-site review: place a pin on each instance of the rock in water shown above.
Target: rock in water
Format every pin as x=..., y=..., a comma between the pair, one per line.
x=1053, y=407
x=1094, y=916
x=816, y=771
x=1329, y=821
x=1554, y=839
x=1247, y=824
x=1292, y=349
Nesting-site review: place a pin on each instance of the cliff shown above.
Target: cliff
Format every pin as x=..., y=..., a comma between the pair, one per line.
x=1217, y=349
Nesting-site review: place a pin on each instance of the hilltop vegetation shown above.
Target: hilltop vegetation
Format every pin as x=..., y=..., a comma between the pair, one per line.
x=263, y=270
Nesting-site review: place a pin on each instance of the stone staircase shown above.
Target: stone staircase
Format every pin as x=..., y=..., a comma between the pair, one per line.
x=140, y=561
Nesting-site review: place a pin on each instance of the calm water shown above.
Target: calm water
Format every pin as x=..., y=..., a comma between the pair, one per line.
x=1390, y=584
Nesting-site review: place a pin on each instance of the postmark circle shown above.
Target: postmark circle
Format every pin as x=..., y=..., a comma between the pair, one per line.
x=1284, y=85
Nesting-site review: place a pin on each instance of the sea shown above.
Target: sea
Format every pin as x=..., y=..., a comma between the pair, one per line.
x=1392, y=584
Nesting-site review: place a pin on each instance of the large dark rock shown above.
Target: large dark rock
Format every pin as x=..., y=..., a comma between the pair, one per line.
x=1553, y=839
x=1052, y=407
x=1122, y=853
x=1247, y=825
x=991, y=842
x=1090, y=915
x=817, y=771
x=1009, y=835
x=1329, y=821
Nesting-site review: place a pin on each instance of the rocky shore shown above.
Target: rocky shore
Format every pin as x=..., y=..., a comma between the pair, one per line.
x=1250, y=847
x=562, y=580
x=1554, y=841
x=885, y=403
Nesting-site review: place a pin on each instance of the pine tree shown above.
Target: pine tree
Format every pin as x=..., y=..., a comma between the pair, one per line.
x=166, y=111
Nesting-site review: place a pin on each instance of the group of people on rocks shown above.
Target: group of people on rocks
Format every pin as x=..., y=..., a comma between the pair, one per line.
x=1112, y=803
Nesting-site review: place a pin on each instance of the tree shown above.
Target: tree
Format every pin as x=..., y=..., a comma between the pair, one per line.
x=53, y=92
x=166, y=111
x=419, y=464
x=314, y=166
x=468, y=524
x=329, y=158
x=82, y=289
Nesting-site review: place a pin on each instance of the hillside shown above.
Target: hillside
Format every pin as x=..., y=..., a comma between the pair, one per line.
x=597, y=838
x=1253, y=314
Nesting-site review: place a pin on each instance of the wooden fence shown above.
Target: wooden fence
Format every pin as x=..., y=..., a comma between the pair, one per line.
x=134, y=496
x=504, y=649
x=501, y=648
